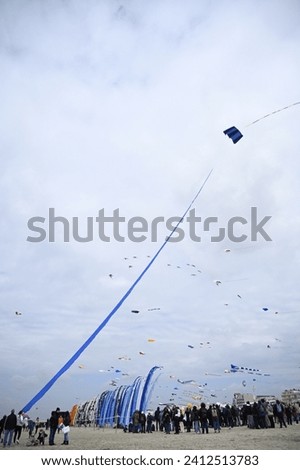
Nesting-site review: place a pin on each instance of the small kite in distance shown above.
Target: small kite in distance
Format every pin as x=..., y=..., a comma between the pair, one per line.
x=18, y=313
x=234, y=134
x=185, y=381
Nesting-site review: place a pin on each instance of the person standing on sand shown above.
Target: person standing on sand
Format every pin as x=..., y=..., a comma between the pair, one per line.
x=66, y=428
x=149, y=420
x=166, y=420
x=215, y=418
x=136, y=421
x=2, y=421
x=177, y=418
x=9, y=427
x=279, y=413
x=195, y=419
x=19, y=427
x=296, y=412
x=157, y=419
x=270, y=414
x=203, y=415
x=53, y=427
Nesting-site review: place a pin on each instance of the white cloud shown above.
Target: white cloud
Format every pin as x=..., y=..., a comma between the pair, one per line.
x=109, y=105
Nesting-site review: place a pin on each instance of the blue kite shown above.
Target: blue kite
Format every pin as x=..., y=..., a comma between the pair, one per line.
x=234, y=134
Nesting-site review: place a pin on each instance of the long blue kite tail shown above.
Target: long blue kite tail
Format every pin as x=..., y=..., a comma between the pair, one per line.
x=71, y=361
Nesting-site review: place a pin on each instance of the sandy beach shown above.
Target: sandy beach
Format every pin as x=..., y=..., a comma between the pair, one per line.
x=239, y=438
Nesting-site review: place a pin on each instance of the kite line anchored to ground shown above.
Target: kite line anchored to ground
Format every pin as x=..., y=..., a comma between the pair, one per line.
x=76, y=355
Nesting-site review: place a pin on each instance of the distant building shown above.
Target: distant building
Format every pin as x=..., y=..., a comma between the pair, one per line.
x=291, y=396
x=269, y=398
x=239, y=399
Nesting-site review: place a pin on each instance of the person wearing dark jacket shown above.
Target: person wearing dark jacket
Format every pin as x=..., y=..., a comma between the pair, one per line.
x=9, y=428
x=2, y=421
x=279, y=410
x=53, y=427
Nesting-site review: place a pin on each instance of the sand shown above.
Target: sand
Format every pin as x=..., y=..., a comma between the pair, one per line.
x=239, y=438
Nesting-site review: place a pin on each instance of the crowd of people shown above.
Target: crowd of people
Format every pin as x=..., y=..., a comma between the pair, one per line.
x=201, y=419
x=12, y=426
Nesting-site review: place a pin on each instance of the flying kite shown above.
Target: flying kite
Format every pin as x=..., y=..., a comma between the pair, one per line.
x=247, y=370
x=18, y=313
x=205, y=345
x=151, y=309
x=186, y=381
x=217, y=283
x=151, y=340
x=235, y=135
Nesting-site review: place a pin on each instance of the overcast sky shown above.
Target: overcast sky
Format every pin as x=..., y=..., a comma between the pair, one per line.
x=109, y=105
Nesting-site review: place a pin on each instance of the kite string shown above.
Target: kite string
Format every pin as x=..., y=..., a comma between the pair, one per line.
x=274, y=112
x=76, y=355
